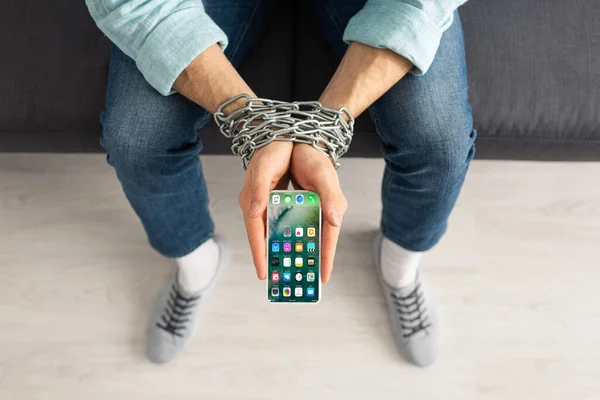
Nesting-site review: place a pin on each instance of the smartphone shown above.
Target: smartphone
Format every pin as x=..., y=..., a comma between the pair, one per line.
x=294, y=247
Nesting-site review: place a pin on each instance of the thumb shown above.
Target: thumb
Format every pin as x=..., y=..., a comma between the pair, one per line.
x=333, y=204
x=333, y=201
x=259, y=194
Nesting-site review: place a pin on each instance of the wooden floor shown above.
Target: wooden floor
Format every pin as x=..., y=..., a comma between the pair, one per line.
x=517, y=278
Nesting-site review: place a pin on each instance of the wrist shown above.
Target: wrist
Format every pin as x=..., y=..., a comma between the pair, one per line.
x=327, y=130
x=236, y=105
x=349, y=98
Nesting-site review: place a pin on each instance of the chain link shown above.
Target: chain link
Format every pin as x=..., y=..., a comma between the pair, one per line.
x=261, y=121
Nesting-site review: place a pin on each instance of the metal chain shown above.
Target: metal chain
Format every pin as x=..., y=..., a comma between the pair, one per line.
x=261, y=121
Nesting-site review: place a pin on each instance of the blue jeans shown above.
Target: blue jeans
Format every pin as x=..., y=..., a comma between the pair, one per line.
x=424, y=122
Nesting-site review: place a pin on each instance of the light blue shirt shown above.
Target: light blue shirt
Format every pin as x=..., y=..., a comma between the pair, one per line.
x=164, y=36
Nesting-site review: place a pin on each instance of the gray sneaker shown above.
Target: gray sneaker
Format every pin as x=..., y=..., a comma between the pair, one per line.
x=413, y=315
x=175, y=317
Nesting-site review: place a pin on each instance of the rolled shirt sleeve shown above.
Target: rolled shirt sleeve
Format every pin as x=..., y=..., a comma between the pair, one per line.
x=162, y=36
x=411, y=28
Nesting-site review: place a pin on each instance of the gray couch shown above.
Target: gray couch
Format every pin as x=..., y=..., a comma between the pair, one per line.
x=534, y=76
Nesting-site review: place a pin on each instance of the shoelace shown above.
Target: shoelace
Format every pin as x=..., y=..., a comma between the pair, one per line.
x=413, y=316
x=176, y=312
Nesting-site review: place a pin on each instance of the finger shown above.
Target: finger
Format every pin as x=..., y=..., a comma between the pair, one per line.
x=333, y=204
x=255, y=199
x=329, y=239
x=259, y=187
x=255, y=230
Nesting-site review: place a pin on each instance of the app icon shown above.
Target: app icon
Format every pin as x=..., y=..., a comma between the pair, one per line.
x=299, y=247
x=287, y=261
x=275, y=276
x=298, y=291
x=299, y=199
x=310, y=277
x=275, y=292
x=276, y=199
x=310, y=261
x=310, y=247
x=287, y=276
x=287, y=246
x=275, y=262
x=287, y=231
x=275, y=247
x=310, y=292
x=311, y=199
x=299, y=231
x=298, y=262
x=287, y=292
x=298, y=276
x=287, y=199
x=311, y=232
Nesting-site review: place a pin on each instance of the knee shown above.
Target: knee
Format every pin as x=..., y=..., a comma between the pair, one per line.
x=133, y=146
x=450, y=156
x=440, y=155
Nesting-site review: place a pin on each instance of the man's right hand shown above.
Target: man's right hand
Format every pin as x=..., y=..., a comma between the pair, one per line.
x=268, y=170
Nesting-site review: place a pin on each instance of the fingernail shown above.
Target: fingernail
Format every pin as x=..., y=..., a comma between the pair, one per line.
x=336, y=218
x=253, y=208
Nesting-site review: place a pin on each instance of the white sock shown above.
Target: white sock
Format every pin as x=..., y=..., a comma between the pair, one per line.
x=197, y=269
x=398, y=265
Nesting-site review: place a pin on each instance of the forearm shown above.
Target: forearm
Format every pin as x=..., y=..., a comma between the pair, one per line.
x=162, y=36
x=210, y=80
x=363, y=76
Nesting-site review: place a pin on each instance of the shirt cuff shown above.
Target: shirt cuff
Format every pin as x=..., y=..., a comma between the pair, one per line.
x=174, y=44
x=399, y=27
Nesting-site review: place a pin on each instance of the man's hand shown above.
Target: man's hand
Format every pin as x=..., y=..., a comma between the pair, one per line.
x=267, y=170
x=314, y=171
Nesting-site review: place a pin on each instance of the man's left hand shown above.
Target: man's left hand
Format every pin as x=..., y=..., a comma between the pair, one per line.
x=314, y=171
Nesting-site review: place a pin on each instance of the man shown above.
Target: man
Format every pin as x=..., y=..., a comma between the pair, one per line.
x=173, y=64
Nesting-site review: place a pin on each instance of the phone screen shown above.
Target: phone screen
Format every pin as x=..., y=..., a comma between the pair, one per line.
x=294, y=247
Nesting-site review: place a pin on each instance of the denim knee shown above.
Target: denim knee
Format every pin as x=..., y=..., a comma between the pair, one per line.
x=421, y=183
x=434, y=155
x=451, y=156
x=142, y=150
x=124, y=152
